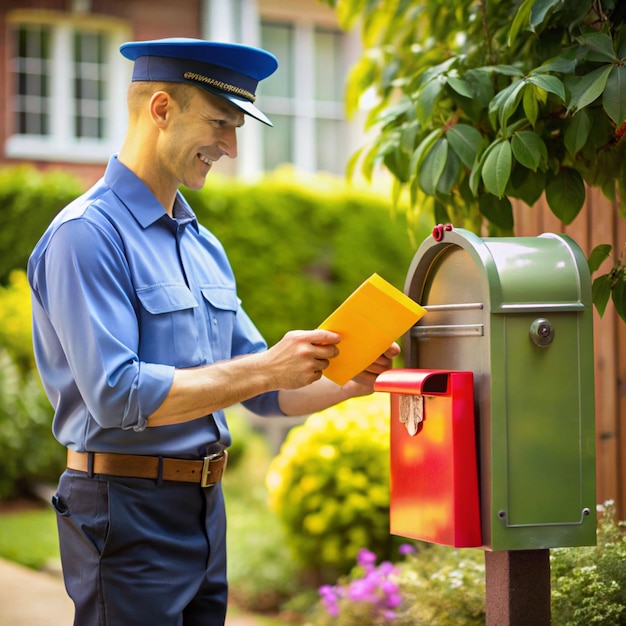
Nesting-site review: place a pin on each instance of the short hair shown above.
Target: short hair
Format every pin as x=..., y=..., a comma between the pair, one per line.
x=140, y=91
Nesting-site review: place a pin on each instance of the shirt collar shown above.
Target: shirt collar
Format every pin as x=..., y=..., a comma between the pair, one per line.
x=139, y=200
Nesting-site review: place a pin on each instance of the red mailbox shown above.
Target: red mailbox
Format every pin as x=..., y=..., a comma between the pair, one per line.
x=434, y=475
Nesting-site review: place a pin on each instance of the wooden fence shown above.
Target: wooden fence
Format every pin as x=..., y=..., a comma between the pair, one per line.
x=598, y=222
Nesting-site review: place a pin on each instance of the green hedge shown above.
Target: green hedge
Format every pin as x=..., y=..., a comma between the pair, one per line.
x=29, y=200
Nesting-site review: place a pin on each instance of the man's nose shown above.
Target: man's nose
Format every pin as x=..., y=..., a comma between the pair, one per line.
x=228, y=143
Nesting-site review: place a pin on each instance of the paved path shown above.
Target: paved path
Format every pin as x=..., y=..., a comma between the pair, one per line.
x=29, y=598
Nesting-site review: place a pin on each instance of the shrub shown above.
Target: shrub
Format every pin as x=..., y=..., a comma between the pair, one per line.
x=433, y=586
x=589, y=584
x=29, y=200
x=443, y=586
x=374, y=593
x=28, y=451
x=15, y=320
x=329, y=485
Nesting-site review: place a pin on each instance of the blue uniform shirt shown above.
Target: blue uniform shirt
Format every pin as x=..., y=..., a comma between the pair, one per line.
x=122, y=295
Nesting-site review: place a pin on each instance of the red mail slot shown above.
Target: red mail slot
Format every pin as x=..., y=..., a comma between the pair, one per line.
x=434, y=474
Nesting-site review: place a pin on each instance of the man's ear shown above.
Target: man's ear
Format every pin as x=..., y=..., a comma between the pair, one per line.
x=160, y=105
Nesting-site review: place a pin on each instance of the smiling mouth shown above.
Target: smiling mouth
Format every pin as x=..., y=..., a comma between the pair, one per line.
x=205, y=159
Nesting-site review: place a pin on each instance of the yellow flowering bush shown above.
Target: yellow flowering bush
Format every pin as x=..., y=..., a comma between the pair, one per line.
x=15, y=320
x=329, y=484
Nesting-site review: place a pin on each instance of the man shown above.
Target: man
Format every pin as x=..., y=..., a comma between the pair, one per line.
x=141, y=343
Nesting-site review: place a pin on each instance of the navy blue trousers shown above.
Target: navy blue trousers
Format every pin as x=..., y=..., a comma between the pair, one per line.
x=135, y=552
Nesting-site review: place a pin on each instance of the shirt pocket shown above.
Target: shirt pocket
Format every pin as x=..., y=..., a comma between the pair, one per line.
x=168, y=330
x=222, y=305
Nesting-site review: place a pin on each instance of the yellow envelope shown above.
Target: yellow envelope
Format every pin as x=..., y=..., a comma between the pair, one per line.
x=369, y=321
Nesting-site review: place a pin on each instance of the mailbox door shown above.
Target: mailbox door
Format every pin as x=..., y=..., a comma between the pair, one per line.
x=434, y=476
x=541, y=493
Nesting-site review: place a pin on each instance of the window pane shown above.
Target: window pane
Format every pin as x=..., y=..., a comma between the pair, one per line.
x=331, y=152
x=30, y=69
x=279, y=40
x=277, y=142
x=89, y=84
x=328, y=66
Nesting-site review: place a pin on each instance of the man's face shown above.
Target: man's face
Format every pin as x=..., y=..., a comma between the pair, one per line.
x=199, y=135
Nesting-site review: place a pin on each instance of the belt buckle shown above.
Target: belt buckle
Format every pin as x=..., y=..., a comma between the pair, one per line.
x=206, y=465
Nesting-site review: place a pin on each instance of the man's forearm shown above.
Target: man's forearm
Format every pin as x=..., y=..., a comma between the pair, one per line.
x=200, y=391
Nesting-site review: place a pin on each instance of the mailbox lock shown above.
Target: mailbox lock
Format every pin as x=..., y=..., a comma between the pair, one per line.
x=542, y=332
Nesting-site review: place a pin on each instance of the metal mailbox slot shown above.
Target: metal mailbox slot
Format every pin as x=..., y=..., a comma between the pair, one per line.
x=517, y=312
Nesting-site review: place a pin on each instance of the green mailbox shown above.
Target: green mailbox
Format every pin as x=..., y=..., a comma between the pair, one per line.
x=517, y=312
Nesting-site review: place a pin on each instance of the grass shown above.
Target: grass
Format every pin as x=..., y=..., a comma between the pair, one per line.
x=29, y=536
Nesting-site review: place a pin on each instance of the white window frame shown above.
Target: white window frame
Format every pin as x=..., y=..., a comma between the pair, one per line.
x=61, y=144
x=305, y=110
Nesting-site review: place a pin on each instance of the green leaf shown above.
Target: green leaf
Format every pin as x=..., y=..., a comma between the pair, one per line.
x=600, y=292
x=565, y=194
x=481, y=84
x=441, y=213
x=426, y=98
x=505, y=103
x=511, y=103
x=618, y=294
x=598, y=256
x=600, y=46
x=505, y=70
x=497, y=210
x=529, y=149
x=409, y=135
x=522, y=18
x=577, y=132
x=614, y=97
x=526, y=185
x=531, y=106
x=466, y=141
x=423, y=149
x=397, y=162
x=450, y=174
x=461, y=86
x=433, y=166
x=549, y=83
x=497, y=168
x=540, y=10
x=589, y=87
x=564, y=63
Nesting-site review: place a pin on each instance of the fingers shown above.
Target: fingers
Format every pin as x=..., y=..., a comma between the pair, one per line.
x=392, y=351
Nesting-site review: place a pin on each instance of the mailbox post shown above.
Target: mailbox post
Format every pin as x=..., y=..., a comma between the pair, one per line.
x=516, y=313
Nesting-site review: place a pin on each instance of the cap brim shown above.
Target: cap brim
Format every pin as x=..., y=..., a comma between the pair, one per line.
x=239, y=103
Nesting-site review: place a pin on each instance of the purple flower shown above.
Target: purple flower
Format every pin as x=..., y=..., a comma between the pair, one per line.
x=405, y=549
x=375, y=587
x=366, y=558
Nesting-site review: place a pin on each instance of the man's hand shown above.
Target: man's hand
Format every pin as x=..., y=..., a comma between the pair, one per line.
x=301, y=357
x=363, y=383
x=323, y=393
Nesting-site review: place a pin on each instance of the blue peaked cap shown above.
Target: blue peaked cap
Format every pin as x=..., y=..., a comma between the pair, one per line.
x=226, y=70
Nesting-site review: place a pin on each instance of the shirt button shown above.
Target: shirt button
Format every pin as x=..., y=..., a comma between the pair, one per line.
x=215, y=321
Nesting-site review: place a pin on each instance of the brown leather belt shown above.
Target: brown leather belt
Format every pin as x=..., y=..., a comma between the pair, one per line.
x=206, y=472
